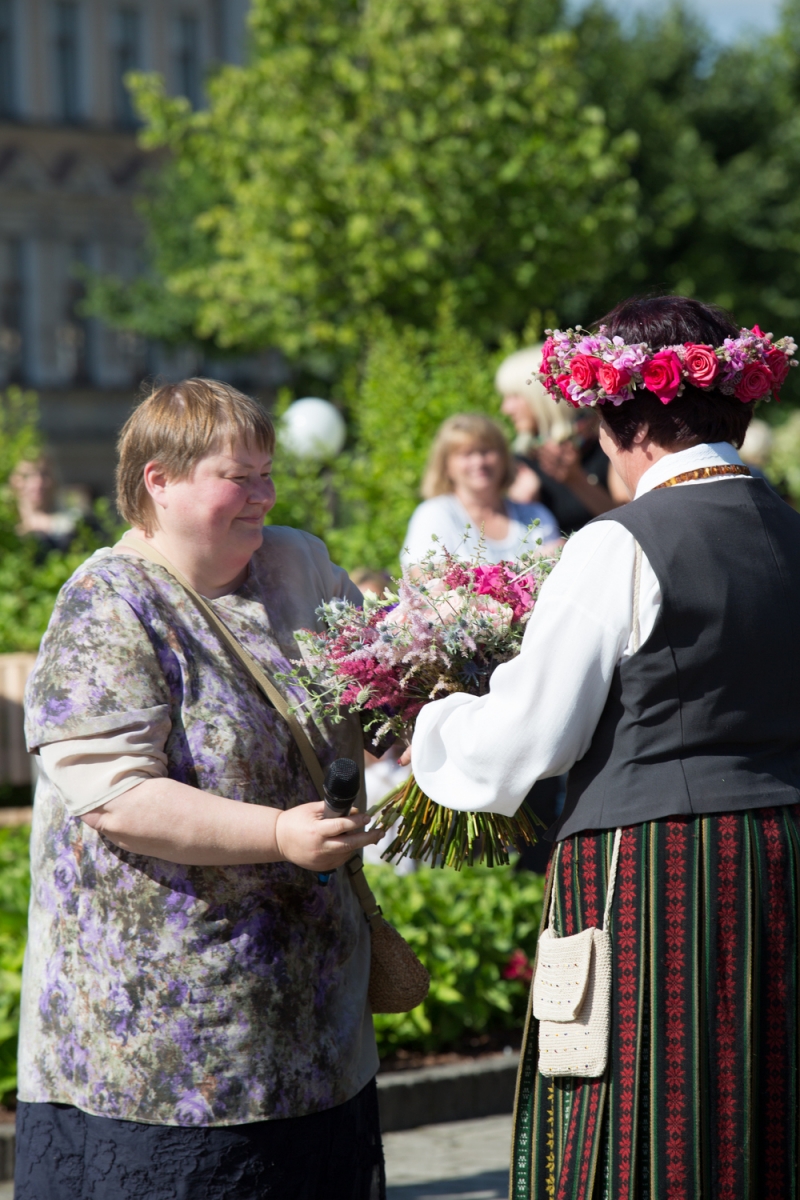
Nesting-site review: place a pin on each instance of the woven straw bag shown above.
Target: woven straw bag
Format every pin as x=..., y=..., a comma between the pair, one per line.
x=398, y=981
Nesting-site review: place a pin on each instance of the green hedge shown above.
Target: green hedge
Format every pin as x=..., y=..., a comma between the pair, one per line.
x=14, y=891
x=465, y=927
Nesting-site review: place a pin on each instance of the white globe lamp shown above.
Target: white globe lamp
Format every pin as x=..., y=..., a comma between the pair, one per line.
x=312, y=428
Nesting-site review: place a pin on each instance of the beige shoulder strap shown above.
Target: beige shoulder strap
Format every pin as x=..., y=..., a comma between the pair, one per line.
x=265, y=684
x=355, y=867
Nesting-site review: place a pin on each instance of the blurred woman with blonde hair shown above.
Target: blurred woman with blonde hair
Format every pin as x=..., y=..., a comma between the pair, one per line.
x=469, y=471
x=559, y=459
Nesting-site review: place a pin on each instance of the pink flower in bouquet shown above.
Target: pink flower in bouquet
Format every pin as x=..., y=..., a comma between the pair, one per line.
x=662, y=375
x=702, y=364
x=521, y=596
x=398, y=615
x=499, y=614
x=457, y=576
x=490, y=580
x=756, y=382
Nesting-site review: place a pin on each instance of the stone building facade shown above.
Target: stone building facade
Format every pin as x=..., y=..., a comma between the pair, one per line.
x=69, y=170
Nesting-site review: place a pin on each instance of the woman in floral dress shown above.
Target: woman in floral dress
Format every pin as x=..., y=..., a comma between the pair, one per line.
x=194, y=1014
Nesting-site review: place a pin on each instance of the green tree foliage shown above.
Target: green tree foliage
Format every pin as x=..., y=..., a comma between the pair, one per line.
x=408, y=383
x=20, y=440
x=370, y=157
x=717, y=165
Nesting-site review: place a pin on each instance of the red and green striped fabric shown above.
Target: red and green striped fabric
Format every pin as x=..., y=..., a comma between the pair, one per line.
x=701, y=1097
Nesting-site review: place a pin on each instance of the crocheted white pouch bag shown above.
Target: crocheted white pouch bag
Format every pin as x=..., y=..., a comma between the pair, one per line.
x=572, y=993
x=576, y=1045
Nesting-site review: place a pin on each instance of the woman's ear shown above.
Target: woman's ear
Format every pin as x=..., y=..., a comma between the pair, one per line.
x=156, y=481
x=642, y=434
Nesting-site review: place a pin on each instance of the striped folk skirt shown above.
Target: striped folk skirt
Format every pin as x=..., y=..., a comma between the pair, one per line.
x=701, y=1098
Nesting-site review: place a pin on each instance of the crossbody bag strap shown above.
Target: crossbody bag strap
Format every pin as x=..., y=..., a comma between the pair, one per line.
x=355, y=866
x=264, y=683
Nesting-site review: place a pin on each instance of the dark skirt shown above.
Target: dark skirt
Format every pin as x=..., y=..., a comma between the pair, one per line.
x=700, y=1099
x=66, y=1154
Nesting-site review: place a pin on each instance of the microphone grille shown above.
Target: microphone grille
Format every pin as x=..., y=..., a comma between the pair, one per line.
x=342, y=779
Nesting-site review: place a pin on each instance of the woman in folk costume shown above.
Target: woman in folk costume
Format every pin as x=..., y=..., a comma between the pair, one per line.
x=661, y=667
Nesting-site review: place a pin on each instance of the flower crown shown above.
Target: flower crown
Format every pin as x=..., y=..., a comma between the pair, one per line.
x=586, y=369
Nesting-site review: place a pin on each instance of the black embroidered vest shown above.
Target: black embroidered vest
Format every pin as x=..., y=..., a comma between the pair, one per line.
x=705, y=717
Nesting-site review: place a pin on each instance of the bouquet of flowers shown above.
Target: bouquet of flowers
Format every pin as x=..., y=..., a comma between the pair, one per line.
x=442, y=629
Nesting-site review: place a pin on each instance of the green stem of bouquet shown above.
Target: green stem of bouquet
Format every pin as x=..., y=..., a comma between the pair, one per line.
x=445, y=837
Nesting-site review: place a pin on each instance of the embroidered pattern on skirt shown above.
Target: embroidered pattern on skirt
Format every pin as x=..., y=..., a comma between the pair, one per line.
x=700, y=1100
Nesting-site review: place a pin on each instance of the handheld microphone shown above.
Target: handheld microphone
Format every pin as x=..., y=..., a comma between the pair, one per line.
x=342, y=781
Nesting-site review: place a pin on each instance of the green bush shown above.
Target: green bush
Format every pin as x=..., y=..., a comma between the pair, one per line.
x=28, y=584
x=14, y=891
x=464, y=926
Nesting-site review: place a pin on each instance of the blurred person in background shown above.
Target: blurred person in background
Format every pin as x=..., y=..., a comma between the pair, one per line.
x=33, y=485
x=465, y=485
x=560, y=460
x=469, y=469
x=369, y=579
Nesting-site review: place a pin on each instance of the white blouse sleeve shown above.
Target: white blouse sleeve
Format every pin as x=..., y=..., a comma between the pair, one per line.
x=484, y=753
x=90, y=770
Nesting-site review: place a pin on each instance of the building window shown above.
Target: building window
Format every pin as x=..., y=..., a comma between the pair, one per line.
x=127, y=57
x=71, y=341
x=219, y=21
x=187, y=59
x=10, y=311
x=7, y=72
x=67, y=20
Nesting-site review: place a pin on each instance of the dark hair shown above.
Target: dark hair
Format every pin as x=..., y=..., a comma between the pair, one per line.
x=696, y=415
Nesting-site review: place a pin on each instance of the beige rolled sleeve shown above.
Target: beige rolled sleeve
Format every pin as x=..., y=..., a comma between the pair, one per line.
x=94, y=768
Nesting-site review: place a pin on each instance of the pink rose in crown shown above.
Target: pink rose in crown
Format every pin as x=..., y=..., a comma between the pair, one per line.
x=561, y=383
x=584, y=368
x=662, y=375
x=611, y=379
x=755, y=383
x=701, y=363
x=777, y=365
x=548, y=350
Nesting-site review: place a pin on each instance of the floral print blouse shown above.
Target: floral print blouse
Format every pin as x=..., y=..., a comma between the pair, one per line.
x=186, y=995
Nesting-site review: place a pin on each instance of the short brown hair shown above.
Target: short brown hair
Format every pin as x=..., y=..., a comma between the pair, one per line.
x=696, y=415
x=455, y=432
x=176, y=426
